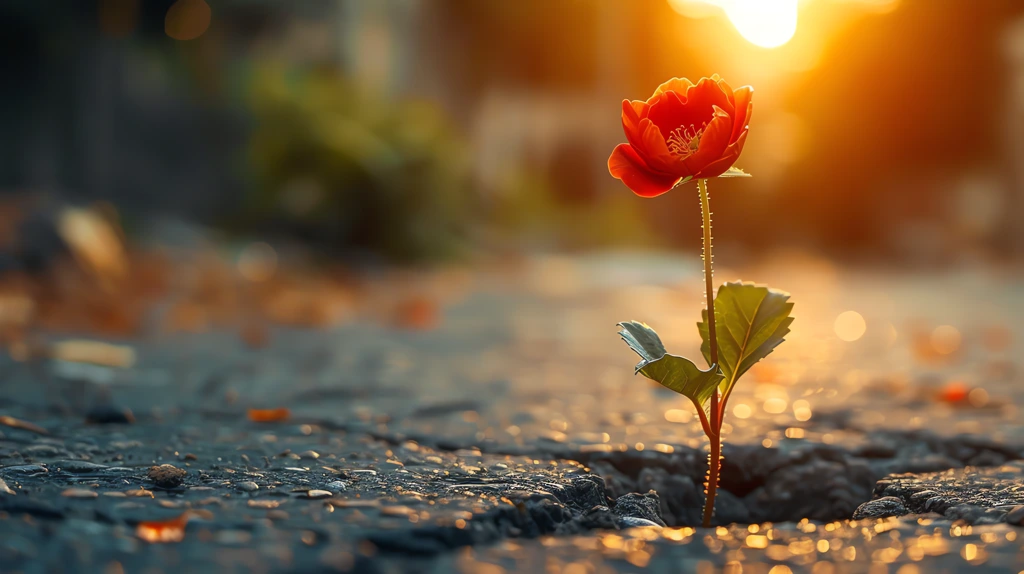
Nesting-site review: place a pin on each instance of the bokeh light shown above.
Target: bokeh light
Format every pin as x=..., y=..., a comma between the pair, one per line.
x=257, y=262
x=945, y=339
x=850, y=326
x=187, y=19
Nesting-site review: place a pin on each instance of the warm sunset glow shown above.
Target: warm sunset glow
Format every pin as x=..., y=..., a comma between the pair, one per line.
x=765, y=23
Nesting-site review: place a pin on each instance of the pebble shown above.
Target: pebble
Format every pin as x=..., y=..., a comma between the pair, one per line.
x=79, y=493
x=42, y=450
x=316, y=494
x=248, y=486
x=646, y=507
x=5, y=489
x=633, y=522
x=309, y=454
x=166, y=475
x=79, y=466
x=26, y=469
x=140, y=492
x=277, y=515
x=109, y=415
x=336, y=486
x=881, y=508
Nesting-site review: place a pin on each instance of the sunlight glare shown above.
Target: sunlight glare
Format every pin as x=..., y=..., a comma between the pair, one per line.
x=764, y=23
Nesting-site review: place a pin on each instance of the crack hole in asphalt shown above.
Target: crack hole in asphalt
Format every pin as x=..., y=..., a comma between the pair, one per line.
x=819, y=482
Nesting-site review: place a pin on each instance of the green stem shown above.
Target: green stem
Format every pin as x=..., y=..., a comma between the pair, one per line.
x=715, y=457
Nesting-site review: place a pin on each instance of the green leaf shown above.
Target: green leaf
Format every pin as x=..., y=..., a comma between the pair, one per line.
x=735, y=172
x=676, y=373
x=750, y=321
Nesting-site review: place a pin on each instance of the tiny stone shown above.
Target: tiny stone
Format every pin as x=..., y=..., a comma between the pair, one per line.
x=109, y=415
x=42, y=450
x=643, y=506
x=310, y=454
x=166, y=475
x=139, y=492
x=79, y=466
x=315, y=494
x=336, y=486
x=633, y=522
x=26, y=469
x=5, y=489
x=880, y=508
x=79, y=493
x=1016, y=515
x=248, y=486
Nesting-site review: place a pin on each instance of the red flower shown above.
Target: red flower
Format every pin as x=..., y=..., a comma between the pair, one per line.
x=682, y=131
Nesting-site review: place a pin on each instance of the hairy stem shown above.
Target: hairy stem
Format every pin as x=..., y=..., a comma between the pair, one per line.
x=711, y=488
x=715, y=458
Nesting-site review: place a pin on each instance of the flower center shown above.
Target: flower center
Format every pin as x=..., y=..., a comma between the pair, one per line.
x=684, y=140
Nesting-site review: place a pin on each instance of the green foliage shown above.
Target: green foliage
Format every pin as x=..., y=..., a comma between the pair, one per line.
x=676, y=373
x=750, y=321
x=352, y=169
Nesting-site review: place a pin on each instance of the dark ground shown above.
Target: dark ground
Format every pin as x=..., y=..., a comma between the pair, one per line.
x=511, y=436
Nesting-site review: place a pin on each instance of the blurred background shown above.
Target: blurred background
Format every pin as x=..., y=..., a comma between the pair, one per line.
x=887, y=132
x=884, y=130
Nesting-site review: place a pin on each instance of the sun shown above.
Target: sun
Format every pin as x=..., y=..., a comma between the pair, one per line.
x=764, y=23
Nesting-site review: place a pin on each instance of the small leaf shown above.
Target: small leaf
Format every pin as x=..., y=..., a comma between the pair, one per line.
x=735, y=172
x=750, y=321
x=682, y=181
x=676, y=373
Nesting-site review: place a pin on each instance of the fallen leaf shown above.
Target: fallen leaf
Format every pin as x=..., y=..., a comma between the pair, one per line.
x=93, y=352
x=955, y=392
x=23, y=425
x=79, y=493
x=417, y=313
x=95, y=243
x=269, y=415
x=172, y=530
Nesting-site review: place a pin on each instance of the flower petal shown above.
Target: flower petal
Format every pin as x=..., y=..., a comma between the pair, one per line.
x=744, y=107
x=632, y=112
x=712, y=143
x=729, y=92
x=692, y=111
x=626, y=165
x=678, y=85
x=732, y=153
x=707, y=94
x=654, y=150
